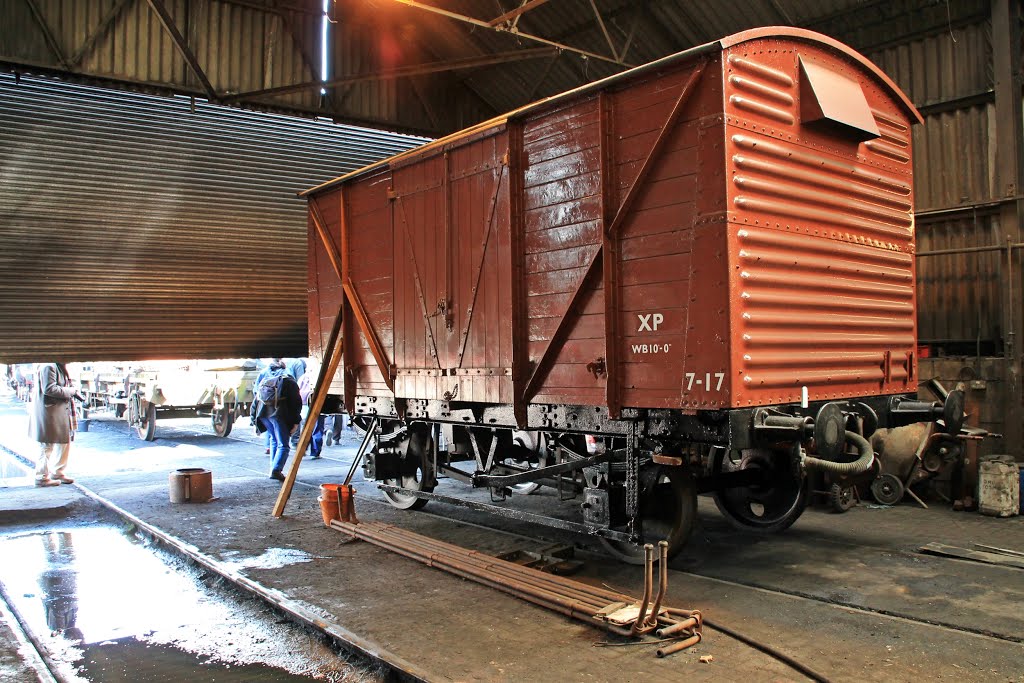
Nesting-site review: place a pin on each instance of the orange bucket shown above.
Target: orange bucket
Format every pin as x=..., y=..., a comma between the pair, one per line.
x=337, y=502
x=329, y=510
x=330, y=491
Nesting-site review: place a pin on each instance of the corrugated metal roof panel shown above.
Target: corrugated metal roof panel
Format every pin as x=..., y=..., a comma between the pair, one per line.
x=136, y=228
x=947, y=176
x=942, y=67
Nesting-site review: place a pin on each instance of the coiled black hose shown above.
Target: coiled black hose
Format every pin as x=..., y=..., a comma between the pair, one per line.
x=861, y=464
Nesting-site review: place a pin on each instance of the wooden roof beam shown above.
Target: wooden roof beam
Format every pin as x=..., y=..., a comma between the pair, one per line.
x=105, y=23
x=401, y=72
x=604, y=31
x=48, y=36
x=518, y=34
x=781, y=11
x=186, y=52
x=516, y=13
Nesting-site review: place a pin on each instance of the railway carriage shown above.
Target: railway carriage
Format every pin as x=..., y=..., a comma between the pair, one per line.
x=694, y=276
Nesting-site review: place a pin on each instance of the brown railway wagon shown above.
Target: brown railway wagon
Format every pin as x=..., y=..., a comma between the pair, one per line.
x=706, y=262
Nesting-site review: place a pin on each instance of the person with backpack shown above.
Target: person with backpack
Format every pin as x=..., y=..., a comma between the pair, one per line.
x=307, y=383
x=254, y=407
x=296, y=367
x=278, y=412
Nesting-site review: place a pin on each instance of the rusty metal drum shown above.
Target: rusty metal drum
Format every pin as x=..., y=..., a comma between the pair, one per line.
x=191, y=485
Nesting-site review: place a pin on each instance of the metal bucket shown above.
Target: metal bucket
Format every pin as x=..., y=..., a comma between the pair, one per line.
x=191, y=485
x=999, y=487
x=1020, y=493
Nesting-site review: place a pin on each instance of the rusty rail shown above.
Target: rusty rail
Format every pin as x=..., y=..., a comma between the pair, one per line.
x=590, y=604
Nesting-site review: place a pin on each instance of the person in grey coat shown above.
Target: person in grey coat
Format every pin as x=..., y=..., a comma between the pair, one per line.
x=52, y=422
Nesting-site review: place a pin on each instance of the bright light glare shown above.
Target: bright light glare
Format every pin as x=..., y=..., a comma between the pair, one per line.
x=323, y=46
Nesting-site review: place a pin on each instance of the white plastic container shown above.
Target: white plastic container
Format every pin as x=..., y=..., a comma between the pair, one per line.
x=999, y=487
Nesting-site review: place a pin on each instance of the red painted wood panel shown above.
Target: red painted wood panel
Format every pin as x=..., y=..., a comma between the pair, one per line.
x=707, y=311
x=371, y=272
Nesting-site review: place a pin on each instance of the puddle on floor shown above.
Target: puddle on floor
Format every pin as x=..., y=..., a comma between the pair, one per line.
x=110, y=608
x=272, y=558
x=14, y=473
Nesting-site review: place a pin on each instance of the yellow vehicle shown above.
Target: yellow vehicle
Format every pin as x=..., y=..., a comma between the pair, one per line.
x=220, y=389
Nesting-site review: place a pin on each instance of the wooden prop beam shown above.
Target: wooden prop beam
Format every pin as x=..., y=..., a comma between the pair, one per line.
x=335, y=350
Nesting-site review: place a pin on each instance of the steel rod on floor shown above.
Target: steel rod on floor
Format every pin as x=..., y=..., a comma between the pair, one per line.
x=594, y=606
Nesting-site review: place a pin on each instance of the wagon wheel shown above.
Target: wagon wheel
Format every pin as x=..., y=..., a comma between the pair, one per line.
x=767, y=506
x=142, y=420
x=841, y=498
x=667, y=513
x=887, y=489
x=418, y=445
x=222, y=420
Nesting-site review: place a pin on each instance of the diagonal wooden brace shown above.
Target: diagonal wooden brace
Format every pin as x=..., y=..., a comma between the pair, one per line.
x=335, y=351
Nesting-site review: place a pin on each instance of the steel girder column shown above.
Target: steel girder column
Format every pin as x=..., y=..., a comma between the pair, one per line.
x=1006, y=68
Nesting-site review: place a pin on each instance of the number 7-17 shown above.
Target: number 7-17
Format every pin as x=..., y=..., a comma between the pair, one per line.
x=705, y=381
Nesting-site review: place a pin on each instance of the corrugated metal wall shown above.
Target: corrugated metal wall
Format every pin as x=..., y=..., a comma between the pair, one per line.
x=949, y=76
x=941, y=74
x=245, y=46
x=961, y=292
x=134, y=227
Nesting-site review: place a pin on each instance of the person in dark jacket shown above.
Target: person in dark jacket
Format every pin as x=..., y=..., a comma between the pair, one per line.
x=256, y=421
x=307, y=383
x=282, y=422
x=296, y=367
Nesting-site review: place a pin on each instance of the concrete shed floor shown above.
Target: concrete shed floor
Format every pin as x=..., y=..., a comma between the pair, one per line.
x=848, y=595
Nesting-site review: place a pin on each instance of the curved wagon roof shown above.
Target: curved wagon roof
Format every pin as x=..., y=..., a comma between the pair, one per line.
x=786, y=33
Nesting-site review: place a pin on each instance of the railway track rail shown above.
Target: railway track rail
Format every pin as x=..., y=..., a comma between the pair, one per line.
x=370, y=501
x=544, y=535
x=678, y=575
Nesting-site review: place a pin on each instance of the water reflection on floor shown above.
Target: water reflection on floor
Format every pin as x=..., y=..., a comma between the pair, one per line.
x=13, y=473
x=111, y=609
